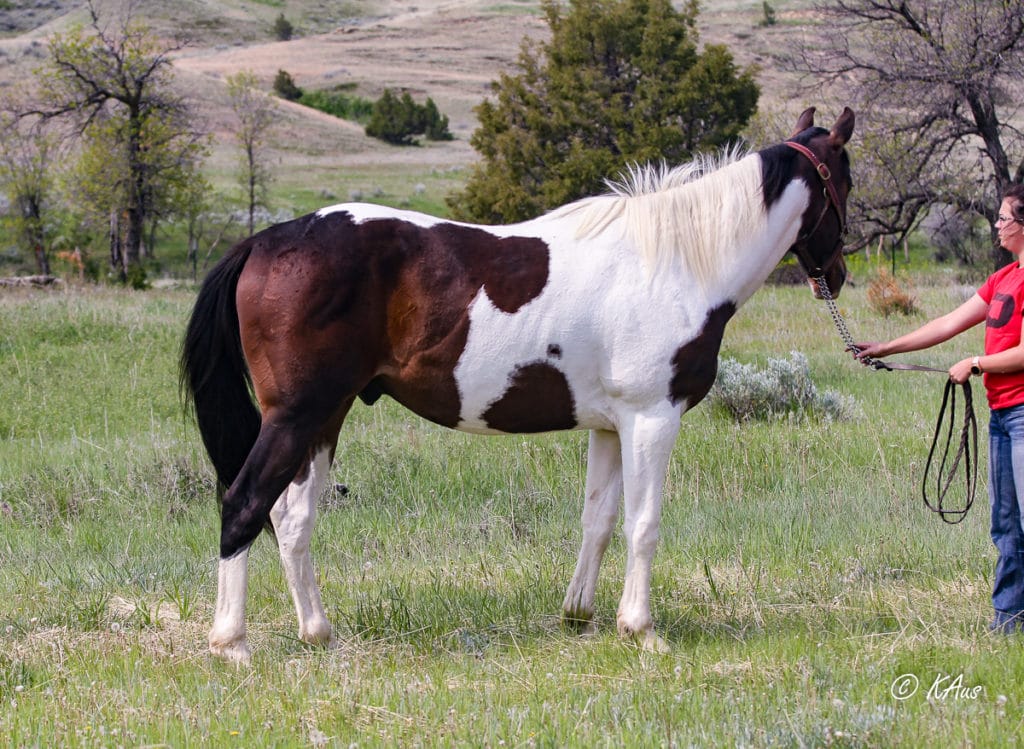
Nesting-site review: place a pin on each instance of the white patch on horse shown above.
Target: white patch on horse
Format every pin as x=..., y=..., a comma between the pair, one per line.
x=363, y=212
x=600, y=511
x=227, y=636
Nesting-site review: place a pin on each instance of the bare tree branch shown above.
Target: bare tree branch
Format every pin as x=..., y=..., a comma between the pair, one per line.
x=943, y=78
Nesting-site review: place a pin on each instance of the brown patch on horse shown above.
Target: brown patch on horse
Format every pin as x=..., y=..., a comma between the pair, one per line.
x=386, y=310
x=538, y=399
x=695, y=364
x=428, y=313
x=512, y=270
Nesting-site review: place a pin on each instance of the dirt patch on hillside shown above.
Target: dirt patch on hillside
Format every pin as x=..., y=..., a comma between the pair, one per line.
x=442, y=53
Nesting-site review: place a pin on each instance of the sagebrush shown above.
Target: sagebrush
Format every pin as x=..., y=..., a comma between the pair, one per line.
x=782, y=389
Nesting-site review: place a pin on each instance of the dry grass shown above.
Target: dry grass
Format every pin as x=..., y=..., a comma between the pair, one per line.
x=887, y=295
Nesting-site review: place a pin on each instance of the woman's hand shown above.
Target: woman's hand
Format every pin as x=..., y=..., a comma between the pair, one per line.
x=873, y=350
x=961, y=371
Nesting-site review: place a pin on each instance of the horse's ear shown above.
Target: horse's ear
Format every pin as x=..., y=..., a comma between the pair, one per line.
x=806, y=120
x=842, y=130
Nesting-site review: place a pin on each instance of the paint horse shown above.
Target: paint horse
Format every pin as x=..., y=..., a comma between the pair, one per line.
x=606, y=314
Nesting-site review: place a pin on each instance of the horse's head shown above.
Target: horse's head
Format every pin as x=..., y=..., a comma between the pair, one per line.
x=823, y=164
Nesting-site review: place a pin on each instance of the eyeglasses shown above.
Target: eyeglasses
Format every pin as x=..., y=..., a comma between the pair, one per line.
x=1004, y=219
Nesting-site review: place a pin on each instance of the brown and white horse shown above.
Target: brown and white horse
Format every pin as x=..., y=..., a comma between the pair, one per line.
x=606, y=314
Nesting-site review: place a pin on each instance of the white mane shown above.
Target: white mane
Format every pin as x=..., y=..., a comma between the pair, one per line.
x=699, y=213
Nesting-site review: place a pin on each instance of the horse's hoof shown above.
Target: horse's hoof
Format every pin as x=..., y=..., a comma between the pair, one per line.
x=651, y=643
x=319, y=635
x=233, y=652
x=580, y=622
x=645, y=637
x=331, y=643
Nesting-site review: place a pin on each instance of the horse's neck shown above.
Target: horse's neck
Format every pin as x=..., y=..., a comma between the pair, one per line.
x=745, y=270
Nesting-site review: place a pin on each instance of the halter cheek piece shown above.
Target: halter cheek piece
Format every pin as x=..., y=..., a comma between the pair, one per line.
x=831, y=201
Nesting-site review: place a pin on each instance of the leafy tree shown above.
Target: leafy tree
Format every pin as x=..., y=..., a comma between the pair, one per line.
x=99, y=181
x=28, y=154
x=399, y=119
x=114, y=81
x=393, y=119
x=934, y=84
x=255, y=112
x=619, y=81
x=284, y=86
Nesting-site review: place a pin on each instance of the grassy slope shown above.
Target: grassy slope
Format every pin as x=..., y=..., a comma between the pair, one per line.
x=798, y=575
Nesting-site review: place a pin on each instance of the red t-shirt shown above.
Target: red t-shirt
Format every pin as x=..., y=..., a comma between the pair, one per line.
x=1004, y=294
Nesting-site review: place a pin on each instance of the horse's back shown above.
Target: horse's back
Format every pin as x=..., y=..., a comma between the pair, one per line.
x=377, y=301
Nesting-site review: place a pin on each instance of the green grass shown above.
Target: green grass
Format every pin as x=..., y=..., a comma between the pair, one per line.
x=797, y=577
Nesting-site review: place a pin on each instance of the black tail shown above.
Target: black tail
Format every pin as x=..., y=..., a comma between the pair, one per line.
x=214, y=378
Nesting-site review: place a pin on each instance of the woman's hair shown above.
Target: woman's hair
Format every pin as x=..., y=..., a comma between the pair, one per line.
x=1015, y=193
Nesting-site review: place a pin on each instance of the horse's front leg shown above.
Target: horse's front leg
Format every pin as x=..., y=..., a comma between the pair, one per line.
x=647, y=441
x=600, y=510
x=294, y=516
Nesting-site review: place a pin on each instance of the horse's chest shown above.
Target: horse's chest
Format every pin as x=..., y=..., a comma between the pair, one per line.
x=695, y=363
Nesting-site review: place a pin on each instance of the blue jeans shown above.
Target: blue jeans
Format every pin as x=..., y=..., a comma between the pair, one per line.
x=1006, y=495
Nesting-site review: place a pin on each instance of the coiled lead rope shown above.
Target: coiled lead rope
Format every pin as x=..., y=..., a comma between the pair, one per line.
x=967, y=448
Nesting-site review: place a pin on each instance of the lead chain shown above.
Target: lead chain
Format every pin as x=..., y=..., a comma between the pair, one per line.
x=840, y=323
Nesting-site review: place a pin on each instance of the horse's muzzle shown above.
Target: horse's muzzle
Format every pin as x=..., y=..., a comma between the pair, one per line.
x=834, y=276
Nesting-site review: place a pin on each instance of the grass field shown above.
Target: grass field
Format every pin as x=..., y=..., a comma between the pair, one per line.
x=799, y=579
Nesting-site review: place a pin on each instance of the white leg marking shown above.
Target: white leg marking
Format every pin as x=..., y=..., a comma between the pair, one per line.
x=646, y=446
x=227, y=636
x=600, y=510
x=294, y=516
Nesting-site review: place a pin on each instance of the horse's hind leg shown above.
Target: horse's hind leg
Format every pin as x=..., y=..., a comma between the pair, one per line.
x=227, y=635
x=283, y=445
x=600, y=510
x=294, y=516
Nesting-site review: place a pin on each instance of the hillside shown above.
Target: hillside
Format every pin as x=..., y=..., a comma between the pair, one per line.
x=447, y=49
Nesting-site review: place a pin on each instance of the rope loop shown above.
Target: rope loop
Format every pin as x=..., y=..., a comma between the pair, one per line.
x=945, y=428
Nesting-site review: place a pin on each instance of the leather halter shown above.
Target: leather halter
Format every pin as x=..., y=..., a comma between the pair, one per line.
x=831, y=200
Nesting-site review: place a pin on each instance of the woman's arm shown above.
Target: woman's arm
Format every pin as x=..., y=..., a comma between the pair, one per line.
x=1010, y=360
x=933, y=332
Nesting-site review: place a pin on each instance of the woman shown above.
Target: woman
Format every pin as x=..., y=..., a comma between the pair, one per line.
x=1000, y=304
